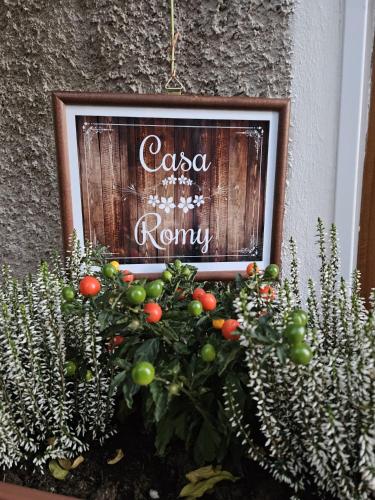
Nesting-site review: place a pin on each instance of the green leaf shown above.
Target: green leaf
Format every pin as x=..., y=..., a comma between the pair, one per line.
x=225, y=358
x=206, y=444
x=122, y=363
x=118, y=380
x=181, y=348
x=180, y=426
x=160, y=397
x=148, y=351
x=129, y=389
x=164, y=434
x=281, y=354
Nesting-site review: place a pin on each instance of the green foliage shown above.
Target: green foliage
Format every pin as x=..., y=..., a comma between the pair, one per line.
x=185, y=399
x=318, y=422
x=46, y=412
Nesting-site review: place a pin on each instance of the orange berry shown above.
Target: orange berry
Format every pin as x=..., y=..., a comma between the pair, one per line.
x=252, y=269
x=218, y=323
x=267, y=293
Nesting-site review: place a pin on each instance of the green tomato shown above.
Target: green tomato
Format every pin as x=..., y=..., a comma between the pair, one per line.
x=178, y=264
x=68, y=293
x=154, y=289
x=136, y=295
x=298, y=317
x=174, y=389
x=89, y=375
x=166, y=276
x=195, y=308
x=208, y=353
x=70, y=368
x=109, y=271
x=301, y=354
x=134, y=324
x=186, y=272
x=295, y=334
x=272, y=271
x=143, y=373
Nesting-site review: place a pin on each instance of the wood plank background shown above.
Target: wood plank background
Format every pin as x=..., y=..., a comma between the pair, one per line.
x=115, y=188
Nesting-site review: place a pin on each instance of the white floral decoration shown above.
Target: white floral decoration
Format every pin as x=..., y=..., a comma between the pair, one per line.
x=189, y=182
x=167, y=204
x=198, y=200
x=186, y=204
x=165, y=182
x=172, y=179
x=153, y=200
x=182, y=179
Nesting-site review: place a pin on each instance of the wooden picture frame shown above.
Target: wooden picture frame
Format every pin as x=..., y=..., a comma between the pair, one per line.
x=102, y=137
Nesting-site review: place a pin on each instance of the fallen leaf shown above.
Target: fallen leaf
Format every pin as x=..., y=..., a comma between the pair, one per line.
x=119, y=455
x=65, y=463
x=77, y=462
x=202, y=473
x=57, y=471
x=203, y=480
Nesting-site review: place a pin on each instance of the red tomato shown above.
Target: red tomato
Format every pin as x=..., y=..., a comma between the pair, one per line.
x=198, y=293
x=181, y=293
x=230, y=326
x=89, y=286
x=208, y=301
x=118, y=340
x=267, y=293
x=127, y=276
x=154, y=312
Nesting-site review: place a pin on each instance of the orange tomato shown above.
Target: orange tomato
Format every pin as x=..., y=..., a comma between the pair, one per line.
x=89, y=286
x=154, y=312
x=218, y=323
x=252, y=269
x=230, y=326
x=208, y=301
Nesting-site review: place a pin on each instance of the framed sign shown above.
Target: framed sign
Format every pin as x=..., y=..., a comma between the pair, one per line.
x=159, y=177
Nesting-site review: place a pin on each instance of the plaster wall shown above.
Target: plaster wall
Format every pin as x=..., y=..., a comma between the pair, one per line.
x=229, y=47
x=315, y=92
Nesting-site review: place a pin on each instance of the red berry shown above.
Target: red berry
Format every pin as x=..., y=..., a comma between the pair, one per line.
x=154, y=312
x=208, y=301
x=198, y=293
x=118, y=340
x=127, y=276
x=230, y=326
x=89, y=286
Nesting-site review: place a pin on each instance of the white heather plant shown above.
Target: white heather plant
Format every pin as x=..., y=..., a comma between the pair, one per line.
x=44, y=413
x=318, y=421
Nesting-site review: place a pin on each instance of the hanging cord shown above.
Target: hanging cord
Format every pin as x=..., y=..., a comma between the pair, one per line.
x=173, y=85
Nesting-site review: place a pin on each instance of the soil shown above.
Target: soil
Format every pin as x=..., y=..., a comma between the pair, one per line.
x=141, y=471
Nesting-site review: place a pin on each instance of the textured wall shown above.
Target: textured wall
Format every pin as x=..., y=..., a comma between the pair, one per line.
x=229, y=47
x=316, y=88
